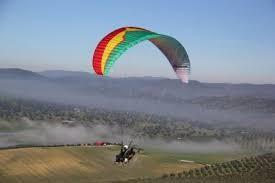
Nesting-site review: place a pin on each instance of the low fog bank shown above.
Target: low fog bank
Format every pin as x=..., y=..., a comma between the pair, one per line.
x=45, y=133
x=49, y=133
x=160, y=96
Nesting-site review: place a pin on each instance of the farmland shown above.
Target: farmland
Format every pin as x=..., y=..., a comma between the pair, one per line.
x=82, y=164
x=95, y=164
x=249, y=169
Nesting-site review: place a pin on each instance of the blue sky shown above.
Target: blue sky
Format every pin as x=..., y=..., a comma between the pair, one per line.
x=227, y=40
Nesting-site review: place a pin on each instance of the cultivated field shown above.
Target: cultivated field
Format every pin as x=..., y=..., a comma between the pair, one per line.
x=83, y=164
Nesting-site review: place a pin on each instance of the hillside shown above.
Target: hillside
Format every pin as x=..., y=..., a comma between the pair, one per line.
x=247, y=170
x=94, y=164
x=81, y=164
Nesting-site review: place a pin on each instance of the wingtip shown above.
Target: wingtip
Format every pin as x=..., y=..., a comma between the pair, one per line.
x=182, y=74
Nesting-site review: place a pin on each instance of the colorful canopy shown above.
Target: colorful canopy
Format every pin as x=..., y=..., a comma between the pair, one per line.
x=117, y=42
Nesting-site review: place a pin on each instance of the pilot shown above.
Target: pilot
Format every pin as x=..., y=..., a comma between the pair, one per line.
x=125, y=148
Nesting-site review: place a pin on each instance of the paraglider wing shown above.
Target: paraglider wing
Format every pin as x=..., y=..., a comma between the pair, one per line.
x=176, y=54
x=117, y=42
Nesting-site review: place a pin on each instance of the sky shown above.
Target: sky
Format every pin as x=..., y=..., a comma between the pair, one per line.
x=226, y=40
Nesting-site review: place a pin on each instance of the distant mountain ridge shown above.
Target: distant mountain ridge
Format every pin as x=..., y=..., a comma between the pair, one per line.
x=63, y=73
x=9, y=73
x=15, y=73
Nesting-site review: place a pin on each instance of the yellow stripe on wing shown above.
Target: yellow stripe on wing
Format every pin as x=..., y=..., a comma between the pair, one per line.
x=110, y=46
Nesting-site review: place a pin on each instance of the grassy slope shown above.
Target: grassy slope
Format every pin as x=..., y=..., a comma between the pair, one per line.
x=81, y=164
x=200, y=158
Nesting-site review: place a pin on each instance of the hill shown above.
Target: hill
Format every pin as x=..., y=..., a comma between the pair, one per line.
x=80, y=164
x=95, y=164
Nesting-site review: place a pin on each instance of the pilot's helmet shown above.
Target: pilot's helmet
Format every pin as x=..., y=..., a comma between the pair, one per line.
x=125, y=146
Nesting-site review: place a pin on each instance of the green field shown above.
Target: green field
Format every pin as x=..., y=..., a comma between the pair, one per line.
x=199, y=158
x=92, y=164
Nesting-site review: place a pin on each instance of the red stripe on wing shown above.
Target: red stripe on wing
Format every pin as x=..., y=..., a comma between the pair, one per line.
x=97, y=57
